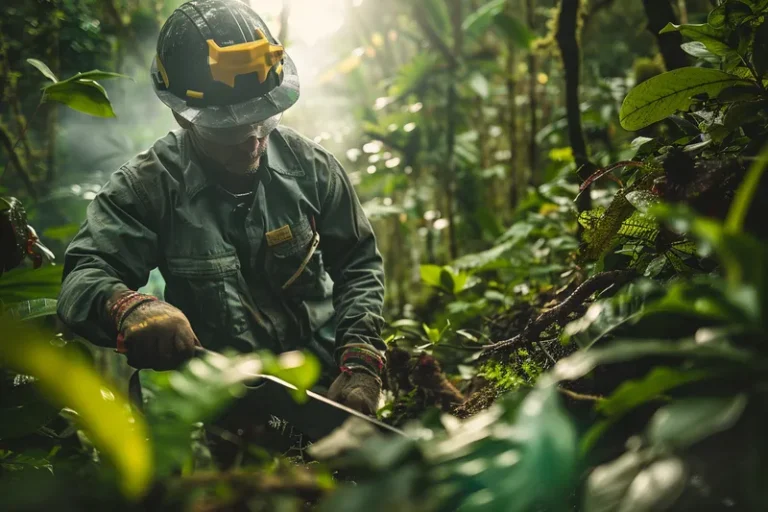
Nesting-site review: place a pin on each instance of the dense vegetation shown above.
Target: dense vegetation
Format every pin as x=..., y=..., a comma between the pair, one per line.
x=570, y=202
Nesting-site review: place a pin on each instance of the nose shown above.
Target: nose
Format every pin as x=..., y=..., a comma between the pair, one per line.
x=251, y=144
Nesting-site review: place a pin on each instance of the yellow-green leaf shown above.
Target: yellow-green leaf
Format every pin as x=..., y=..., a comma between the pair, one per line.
x=102, y=412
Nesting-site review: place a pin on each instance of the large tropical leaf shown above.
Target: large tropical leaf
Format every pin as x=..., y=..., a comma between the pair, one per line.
x=101, y=411
x=27, y=284
x=663, y=95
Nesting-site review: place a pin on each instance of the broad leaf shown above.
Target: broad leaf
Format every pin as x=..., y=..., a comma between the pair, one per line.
x=514, y=466
x=691, y=420
x=84, y=96
x=26, y=284
x=608, y=315
x=712, y=38
x=581, y=363
x=102, y=412
x=30, y=309
x=635, y=482
x=44, y=69
x=515, y=30
x=480, y=20
x=633, y=393
x=729, y=14
x=431, y=275
x=95, y=75
x=673, y=91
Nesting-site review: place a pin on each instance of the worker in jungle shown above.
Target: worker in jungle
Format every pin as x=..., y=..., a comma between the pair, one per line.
x=257, y=231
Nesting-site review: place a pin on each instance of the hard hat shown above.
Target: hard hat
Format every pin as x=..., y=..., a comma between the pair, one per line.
x=218, y=66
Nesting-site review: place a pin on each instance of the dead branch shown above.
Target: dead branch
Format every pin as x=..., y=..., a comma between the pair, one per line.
x=560, y=313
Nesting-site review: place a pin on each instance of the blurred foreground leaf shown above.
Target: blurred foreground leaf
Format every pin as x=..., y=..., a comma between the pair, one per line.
x=103, y=413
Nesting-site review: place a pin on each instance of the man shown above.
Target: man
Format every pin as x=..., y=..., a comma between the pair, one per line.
x=257, y=231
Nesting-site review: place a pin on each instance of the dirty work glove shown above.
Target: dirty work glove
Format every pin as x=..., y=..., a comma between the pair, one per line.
x=359, y=384
x=153, y=334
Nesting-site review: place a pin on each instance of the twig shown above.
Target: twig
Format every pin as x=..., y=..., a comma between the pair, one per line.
x=579, y=396
x=559, y=313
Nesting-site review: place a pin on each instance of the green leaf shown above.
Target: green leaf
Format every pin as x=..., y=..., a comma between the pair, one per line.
x=30, y=309
x=515, y=30
x=673, y=91
x=729, y=14
x=636, y=482
x=431, y=275
x=84, y=96
x=26, y=284
x=633, y=393
x=44, y=69
x=688, y=421
x=608, y=315
x=495, y=464
x=95, y=75
x=433, y=334
x=480, y=20
x=709, y=36
x=699, y=50
x=581, y=363
x=446, y=280
x=302, y=369
x=103, y=412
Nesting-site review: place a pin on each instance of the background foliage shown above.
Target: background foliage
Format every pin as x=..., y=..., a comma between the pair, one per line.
x=569, y=199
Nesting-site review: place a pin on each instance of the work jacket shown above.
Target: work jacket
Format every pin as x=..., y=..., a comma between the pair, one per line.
x=295, y=266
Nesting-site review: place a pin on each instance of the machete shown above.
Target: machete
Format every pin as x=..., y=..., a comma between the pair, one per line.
x=316, y=418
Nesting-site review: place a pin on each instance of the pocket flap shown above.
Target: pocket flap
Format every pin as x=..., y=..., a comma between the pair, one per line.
x=204, y=267
x=301, y=236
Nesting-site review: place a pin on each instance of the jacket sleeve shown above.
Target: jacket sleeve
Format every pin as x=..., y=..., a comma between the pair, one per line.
x=115, y=249
x=354, y=263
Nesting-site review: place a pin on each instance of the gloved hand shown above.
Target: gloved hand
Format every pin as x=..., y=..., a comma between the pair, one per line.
x=359, y=385
x=153, y=334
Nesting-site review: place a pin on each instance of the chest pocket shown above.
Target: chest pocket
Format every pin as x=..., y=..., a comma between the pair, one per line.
x=208, y=290
x=295, y=266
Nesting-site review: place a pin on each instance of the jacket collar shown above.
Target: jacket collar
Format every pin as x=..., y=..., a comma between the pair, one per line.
x=279, y=158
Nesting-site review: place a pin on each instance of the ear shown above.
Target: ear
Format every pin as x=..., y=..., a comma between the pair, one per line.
x=182, y=122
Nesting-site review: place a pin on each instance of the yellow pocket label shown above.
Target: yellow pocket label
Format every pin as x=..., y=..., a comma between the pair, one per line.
x=279, y=236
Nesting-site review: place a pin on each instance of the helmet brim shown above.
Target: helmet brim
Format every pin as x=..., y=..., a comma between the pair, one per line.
x=278, y=100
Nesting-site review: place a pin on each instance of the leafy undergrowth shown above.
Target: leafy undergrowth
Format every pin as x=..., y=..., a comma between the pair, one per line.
x=612, y=359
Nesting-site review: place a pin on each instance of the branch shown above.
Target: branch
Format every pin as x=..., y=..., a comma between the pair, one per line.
x=8, y=144
x=560, y=313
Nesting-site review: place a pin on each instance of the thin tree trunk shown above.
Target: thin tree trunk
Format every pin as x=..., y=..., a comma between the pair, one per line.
x=568, y=41
x=682, y=7
x=453, y=114
x=533, y=149
x=659, y=13
x=514, y=185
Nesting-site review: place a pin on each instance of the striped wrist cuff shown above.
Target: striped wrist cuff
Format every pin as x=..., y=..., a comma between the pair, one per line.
x=356, y=357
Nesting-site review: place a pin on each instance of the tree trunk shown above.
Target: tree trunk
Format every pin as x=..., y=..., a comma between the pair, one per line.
x=452, y=112
x=533, y=149
x=568, y=41
x=659, y=13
